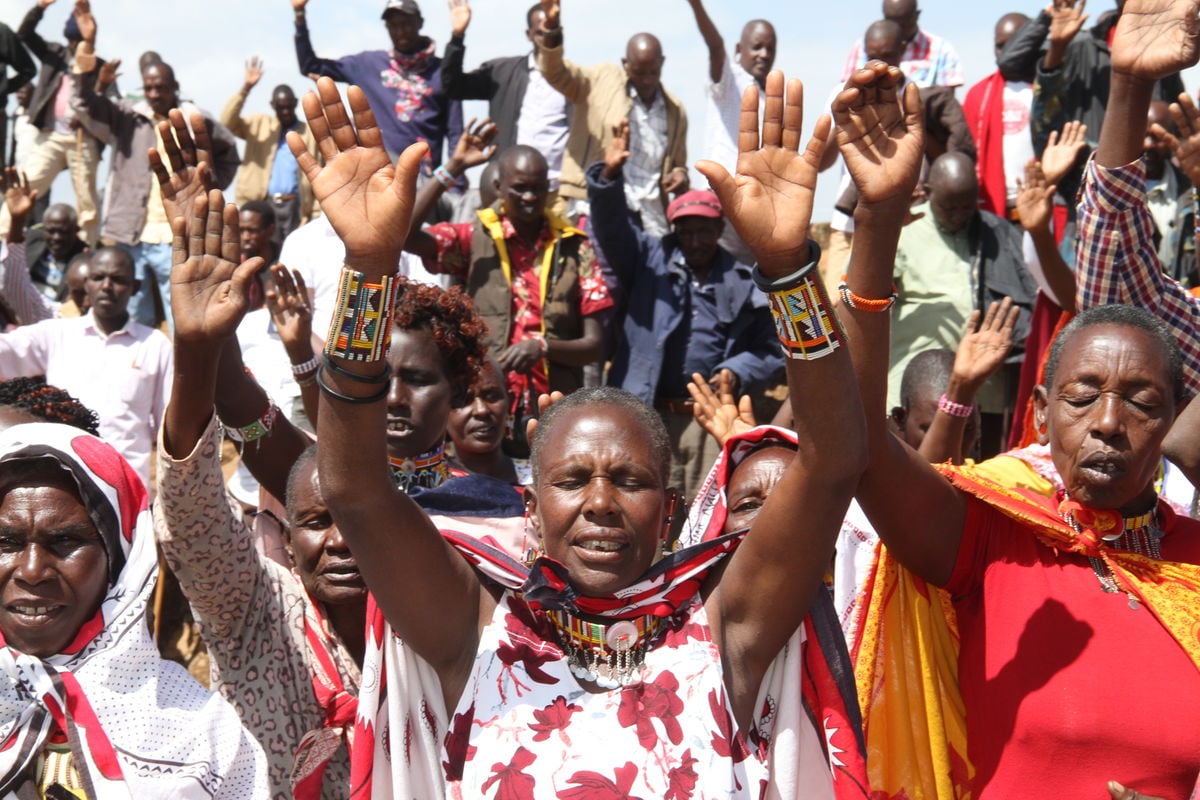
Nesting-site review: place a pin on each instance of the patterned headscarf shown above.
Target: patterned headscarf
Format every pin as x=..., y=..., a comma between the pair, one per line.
x=183, y=741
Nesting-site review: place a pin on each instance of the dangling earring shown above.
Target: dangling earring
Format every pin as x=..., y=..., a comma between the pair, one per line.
x=533, y=551
x=673, y=499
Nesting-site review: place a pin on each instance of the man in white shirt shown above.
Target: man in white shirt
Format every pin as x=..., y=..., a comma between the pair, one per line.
x=753, y=57
x=119, y=368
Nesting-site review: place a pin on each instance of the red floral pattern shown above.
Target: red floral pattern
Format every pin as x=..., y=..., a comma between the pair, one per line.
x=671, y=736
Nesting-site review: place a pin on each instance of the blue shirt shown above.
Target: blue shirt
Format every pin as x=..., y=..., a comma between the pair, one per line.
x=409, y=106
x=697, y=344
x=285, y=173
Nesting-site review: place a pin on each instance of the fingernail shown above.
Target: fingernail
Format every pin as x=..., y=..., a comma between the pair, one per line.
x=1113, y=786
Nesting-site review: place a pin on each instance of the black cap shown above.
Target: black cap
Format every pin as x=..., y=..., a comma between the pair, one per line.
x=401, y=7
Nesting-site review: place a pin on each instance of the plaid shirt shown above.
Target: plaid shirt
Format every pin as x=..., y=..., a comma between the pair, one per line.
x=1117, y=261
x=928, y=60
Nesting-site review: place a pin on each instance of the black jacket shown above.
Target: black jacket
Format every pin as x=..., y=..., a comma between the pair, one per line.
x=56, y=62
x=501, y=81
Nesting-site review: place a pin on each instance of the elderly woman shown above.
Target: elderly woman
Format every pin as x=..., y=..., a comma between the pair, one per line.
x=87, y=708
x=1050, y=595
x=600, y=641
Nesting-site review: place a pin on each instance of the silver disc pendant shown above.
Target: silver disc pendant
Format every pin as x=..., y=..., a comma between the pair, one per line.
x=1133, y=603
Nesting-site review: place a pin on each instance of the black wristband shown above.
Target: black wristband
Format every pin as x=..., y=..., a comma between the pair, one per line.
x=374, y=380
x=789, y=282
x=345, y=398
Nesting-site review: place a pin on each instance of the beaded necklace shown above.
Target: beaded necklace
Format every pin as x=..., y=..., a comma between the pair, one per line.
x=1141, y=534
x=427, y=471
x=609, y=654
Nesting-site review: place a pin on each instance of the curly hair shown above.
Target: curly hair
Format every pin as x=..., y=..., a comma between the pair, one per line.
x=37, y=398
x=457, y=329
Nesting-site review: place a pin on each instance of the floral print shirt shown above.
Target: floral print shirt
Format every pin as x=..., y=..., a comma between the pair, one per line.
x=524, y=728
x=454, y=257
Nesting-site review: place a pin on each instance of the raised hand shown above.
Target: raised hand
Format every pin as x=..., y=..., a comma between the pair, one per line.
x=617, y=152
x=983, y=347
x=1066, y=20
x=85, y=20
x=1035, y=204
x=208, y=285
x=366, y=198
x=1185, y=146
x=17, y=195
x=460, y=17
x=189, y=155
x=108, y=74
x=881, y=134
x=676, y=181
x=553, y=11
x=1062, y=150
x=254, y=72
x=298, y=5
x=1156, y=38
x=289, y=308
x=475, y=146
x=718, y=412
x=770, y=200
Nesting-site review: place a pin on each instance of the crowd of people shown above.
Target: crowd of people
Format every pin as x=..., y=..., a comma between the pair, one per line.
x=372, y=483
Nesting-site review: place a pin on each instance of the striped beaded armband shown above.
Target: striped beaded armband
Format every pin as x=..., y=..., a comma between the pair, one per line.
x=804, y=318
x=361, y=328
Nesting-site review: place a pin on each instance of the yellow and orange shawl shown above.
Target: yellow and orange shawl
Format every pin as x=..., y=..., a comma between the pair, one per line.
x=906, y=656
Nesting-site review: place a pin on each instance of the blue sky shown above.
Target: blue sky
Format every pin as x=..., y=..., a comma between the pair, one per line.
x=208, y=40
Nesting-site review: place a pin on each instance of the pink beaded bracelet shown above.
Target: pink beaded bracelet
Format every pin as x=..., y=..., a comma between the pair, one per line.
x=960, y=410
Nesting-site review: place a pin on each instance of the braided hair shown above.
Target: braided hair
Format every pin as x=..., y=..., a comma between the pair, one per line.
x=37, y=398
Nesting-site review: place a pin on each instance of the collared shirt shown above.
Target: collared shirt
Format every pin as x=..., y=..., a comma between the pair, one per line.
x=285, y=173
x=697, y=345
x=643, y=170
x=724, y=113
x=124, y=376
x=1162, y=199
x=936, y=288
x=1116, y=261
x=543, y=123
x=928, y=60
x=454, y=256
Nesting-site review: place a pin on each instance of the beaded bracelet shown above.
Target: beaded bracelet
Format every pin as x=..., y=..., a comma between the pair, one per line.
x=960, y=410
x=866, y=303
x=804, y=319
x=258, y=429
x=346, y=398
x=361, y=328
x=382, y=377
x=443, y=176
x=306, y=367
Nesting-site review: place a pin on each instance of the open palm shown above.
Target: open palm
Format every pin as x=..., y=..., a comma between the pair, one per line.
x=880, y=134
x=770, y=200
x=367, y=199
x=208, y=285
x=189, y=155
x=1156, y=38
x=985, y=345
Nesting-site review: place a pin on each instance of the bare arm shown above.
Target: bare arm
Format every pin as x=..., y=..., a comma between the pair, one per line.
x=712, y=40
x=880, y=141
x=1182, y=445
x=981, y=352
x=426, y=591
x=474, y=148
x=772, y=579
x=1035, y=206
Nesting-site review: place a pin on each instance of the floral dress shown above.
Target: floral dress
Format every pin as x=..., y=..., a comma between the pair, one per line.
x=526, y=729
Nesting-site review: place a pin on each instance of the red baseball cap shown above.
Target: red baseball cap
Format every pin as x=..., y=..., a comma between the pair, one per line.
x=696, y=203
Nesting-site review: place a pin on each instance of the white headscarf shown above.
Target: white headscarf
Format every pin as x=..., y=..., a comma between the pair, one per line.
x=138, y=726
